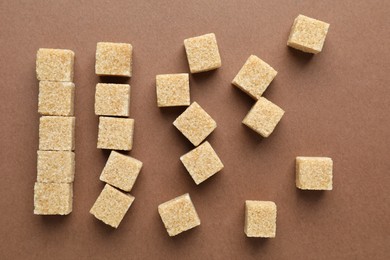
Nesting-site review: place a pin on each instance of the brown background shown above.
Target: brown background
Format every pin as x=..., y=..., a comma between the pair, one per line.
x=337, y=105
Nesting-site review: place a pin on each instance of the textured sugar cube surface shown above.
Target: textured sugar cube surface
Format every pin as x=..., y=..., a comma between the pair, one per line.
x=173, y=90
x=202, y=53
x=53, y=198
x=178, y=215
x=260, y=219
x=115, y=133
x=111, y=206
x=308, y=34
x=254, y=77
x=195, y=124
x=121, y=171
x=263, y=117
x=56, y=133
x=202, y=162
x=314, y=173
x=55, y=166
x=112, y=99
x=56, y=98
x=114, y=59
x=55, y=64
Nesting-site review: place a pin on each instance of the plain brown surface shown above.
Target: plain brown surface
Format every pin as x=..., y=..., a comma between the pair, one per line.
x=336, y=103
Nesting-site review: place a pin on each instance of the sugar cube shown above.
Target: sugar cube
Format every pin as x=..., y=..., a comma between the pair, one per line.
x=314, y=173
x=173, y=90
x=56, y=133
x=53, y=198
x=112, y=99
x=115, y=133
x=260, y=219
x=55, y=166
x=55, y=64
x=114, y=59
x=56, y=98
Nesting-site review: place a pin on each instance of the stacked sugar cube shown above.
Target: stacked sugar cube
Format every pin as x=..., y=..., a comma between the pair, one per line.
x=53, y=191
x=116, y=129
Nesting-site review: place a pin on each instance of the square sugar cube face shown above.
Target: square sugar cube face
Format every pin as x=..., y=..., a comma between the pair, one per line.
x=263, y=117
x=195, y=124
x=115, y=133
x=254, y=77
x=56, y=133
x=314, y=173
x=112, y=99
x=121, y=171
x=56, y=98
x=114, y=59
x=202, y=162
x=173, y=90
x=55, y=64
x=178, y=215
x=111, y=206
x=202, y=53
x=53, y=198
x=308, y=34
x=260, y=219
x=55, y=166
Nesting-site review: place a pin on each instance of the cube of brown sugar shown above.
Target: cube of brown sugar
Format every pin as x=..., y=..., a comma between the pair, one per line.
x=55, y=166
x=254, y=77
x=56, y=133
x=114, y=59
x=260, y=219
x=202, y=53
x=314, y=173
x=115, y=133
x=53, y=198
x=173, y=90
x=111, y=206
x=308, y=34
x=56, y=98
x=195, y=124
x=178, y=215
x=55, y=64
x=112, y=99
x=263, y=117
x=121, y=171
x=202, y=162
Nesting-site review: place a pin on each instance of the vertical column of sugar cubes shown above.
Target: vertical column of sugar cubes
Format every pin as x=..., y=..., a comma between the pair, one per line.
x=53, y=190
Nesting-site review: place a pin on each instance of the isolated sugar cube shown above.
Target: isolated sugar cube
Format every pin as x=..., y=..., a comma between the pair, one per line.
x=254, y=77
x=55, y=166
x=55, y=64
x=202, y=53
x=195, y=124
x=202, y=162
x=56, y=98
x=112, y=99
x=53, y=198
x=114, y=59
x=263, y=117
x=178, y=215
x=173, y=90
x=260, y=219
x=314, y=173
x=111, y=206
x=308, y=34
x=56, y=133
x=115, y=133
x=121, y=171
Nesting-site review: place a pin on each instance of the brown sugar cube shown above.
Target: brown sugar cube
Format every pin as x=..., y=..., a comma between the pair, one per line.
x=260, y=219
x=195, y=124
x=314, y=173
x=254, y=77
x=56, y=133
x=263, y=117
x=202, y=162
x=112, y=99
x=114, y=59
x=55, y=166
x=178, y=215
x=55, y=64
x=56, y=98
x=111, y=206
x=115, y=133
x=308, y=34
x=173, y=90
x=121, y=171
x=53, y=198
x=202, y=53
